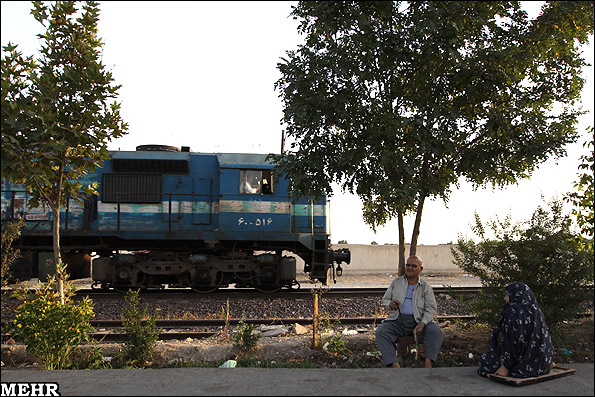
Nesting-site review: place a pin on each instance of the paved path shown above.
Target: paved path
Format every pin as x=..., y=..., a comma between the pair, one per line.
x=302, y=382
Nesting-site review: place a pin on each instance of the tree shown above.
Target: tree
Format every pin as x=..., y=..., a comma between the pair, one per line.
x=582, y=198
x=543, y=252
x=397, y=101
x=56, y=120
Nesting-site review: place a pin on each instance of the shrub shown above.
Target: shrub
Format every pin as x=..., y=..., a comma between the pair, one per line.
x=543, y=253
x=50, y=329
x=330, y=338
x=227, y=317
x=11, y=231
x=89, y=359
x=141, y=330
x=244, y=337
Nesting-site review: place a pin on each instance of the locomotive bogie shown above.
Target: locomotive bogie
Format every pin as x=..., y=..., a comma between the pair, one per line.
x=195, y=271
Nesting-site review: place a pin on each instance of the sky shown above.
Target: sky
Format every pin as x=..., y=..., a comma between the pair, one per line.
x=202, y=74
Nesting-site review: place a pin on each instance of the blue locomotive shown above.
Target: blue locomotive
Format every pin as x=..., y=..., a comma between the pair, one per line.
x=169, y=216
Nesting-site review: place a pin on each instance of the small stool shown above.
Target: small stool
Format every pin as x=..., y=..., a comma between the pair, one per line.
x=406, y=341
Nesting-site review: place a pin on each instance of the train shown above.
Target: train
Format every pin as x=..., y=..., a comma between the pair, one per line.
x=167, y=217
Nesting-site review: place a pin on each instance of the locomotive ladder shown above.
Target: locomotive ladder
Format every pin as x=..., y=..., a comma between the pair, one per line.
x=319, y=269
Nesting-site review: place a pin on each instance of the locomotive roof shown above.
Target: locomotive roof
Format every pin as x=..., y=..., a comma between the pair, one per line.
x=226, y=160
x=233, y=160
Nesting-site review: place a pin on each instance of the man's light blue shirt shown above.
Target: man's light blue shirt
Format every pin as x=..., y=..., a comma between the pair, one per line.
x=424, y=303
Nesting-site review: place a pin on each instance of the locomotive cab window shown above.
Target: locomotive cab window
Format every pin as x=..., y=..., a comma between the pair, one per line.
x=256, y=182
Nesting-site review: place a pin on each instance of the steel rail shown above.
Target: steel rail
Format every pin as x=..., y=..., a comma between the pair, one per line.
x=171, y=324
x=265, y=321
x=233, y=293
x=168, y=325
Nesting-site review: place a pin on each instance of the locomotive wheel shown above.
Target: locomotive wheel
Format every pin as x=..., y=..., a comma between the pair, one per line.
x=206, y=288
x=267, y=281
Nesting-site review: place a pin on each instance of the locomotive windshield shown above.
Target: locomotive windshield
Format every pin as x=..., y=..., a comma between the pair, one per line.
x=255, y=182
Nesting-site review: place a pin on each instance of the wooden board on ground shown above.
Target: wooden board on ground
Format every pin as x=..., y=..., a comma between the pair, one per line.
x=556, y=372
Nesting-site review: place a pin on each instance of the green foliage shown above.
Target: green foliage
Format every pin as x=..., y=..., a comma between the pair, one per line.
x=56, y=120
x=88, y=359
x=142, y=333
x=335, y=344
x=11, y=231
x=396, y=101
x=542, y=252
x=332, y=339
x=571, y=339
x=471, y=325
x=244, y=337
x=183, y=363
x=243, y=362
x=50, y=329
x=251, y=362
x=582, y=198
x=226, y=317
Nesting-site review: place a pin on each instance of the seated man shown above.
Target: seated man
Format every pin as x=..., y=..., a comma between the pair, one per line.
x=412, y=306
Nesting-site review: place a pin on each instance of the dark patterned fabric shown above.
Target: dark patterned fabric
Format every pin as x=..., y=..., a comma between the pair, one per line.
x=520, y=341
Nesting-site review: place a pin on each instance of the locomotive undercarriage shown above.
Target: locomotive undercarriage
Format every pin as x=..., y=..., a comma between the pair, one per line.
x=203, y=273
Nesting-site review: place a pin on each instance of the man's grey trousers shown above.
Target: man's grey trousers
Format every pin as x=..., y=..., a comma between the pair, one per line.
x=389, y=330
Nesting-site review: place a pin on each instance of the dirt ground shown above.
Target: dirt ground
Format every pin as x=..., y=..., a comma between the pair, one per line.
x=361, y=350
x=462, y=346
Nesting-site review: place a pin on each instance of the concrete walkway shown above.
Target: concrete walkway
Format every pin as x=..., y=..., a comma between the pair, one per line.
x=284, y=381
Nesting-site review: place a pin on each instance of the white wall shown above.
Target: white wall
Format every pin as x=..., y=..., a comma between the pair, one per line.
x=380, y=259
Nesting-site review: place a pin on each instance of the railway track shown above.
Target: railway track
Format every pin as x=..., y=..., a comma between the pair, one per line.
x=183, y=329
x=251, y=293
x=283, y=294
x=266, y=321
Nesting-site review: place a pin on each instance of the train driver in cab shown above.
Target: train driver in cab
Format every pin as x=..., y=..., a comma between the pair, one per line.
x=251, y=183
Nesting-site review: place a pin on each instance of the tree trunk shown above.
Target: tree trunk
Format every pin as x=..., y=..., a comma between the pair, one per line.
x=57, y=205
x=57, y=257
x=420, y=206
x=416, y=226
x=401, y=269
